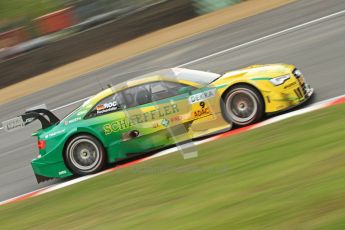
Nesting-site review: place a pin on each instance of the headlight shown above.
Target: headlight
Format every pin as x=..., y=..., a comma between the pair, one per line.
x=297, y=73
x=280, y=80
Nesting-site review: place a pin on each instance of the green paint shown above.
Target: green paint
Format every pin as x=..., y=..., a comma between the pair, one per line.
x=287, y=99
x=261, y=78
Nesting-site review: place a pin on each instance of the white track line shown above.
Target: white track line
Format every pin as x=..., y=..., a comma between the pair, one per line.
x=72, y=103
x=265, y=37
x=236, y=47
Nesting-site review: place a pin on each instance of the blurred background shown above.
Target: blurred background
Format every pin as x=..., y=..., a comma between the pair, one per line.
x=41, y=35
x=285, y=175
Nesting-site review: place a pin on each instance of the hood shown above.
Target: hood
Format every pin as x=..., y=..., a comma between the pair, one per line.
x=265, y=71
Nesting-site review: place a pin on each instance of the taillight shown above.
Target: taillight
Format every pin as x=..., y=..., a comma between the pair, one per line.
x=41, y=144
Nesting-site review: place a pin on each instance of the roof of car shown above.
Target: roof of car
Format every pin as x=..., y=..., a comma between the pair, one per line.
x=173, y=74
x=121, y=86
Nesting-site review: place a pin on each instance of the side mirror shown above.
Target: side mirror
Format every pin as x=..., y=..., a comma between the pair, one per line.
x=185, y=89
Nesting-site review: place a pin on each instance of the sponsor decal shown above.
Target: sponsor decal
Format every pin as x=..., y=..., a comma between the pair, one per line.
x=176, y=119
x=122, y=124
x=116, y=126
x=13, y=124
x=62, y=172
x=107, y=110
x=53, y=134
x=72, y=120
x=202, y=96
x=75, y=120
x=202, y=111
x=168, y=121
x=165, y=122
x=107, y=106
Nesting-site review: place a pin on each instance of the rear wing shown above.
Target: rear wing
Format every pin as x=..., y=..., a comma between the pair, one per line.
x=41, y=113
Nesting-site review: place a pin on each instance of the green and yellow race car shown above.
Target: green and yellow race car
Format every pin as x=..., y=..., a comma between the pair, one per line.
x=158, y=110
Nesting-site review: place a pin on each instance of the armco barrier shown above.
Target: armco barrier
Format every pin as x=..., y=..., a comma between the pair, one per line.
x=13, y=37
x=54, y=21
x=95, y=40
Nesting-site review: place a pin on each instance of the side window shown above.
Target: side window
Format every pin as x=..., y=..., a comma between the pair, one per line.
x=162, y=90
x=138, y=95
x=109, y=104
x=155, y=91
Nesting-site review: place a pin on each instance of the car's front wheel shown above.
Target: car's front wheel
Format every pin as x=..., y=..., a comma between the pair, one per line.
x=84, y=155
x=243, y=105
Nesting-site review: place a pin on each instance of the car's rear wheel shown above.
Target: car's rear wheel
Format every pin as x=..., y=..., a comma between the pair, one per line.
x=243, y=105
x=84, y=155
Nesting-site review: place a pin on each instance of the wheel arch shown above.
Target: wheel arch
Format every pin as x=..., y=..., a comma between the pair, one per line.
x=72, y=135
x=238, y=84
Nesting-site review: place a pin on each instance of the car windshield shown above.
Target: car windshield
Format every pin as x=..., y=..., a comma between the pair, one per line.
x=199, y=77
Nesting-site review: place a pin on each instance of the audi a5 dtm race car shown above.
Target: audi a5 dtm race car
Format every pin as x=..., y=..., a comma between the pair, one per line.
x=157, y=110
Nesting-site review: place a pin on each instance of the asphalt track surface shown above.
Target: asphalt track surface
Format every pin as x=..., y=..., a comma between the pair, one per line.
x=317, y=48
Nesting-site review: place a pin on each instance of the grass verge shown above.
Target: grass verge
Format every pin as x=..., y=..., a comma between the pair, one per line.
x=287, y=175
x=12, y=10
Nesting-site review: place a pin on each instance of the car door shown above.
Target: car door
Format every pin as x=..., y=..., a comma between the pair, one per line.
x=155, y=109
x=190, y=112
x=205, y=111
x=170, y=99
x=108, y=119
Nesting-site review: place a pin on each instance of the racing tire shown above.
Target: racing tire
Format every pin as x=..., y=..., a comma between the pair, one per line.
x=243, y=105
x=85, y=155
